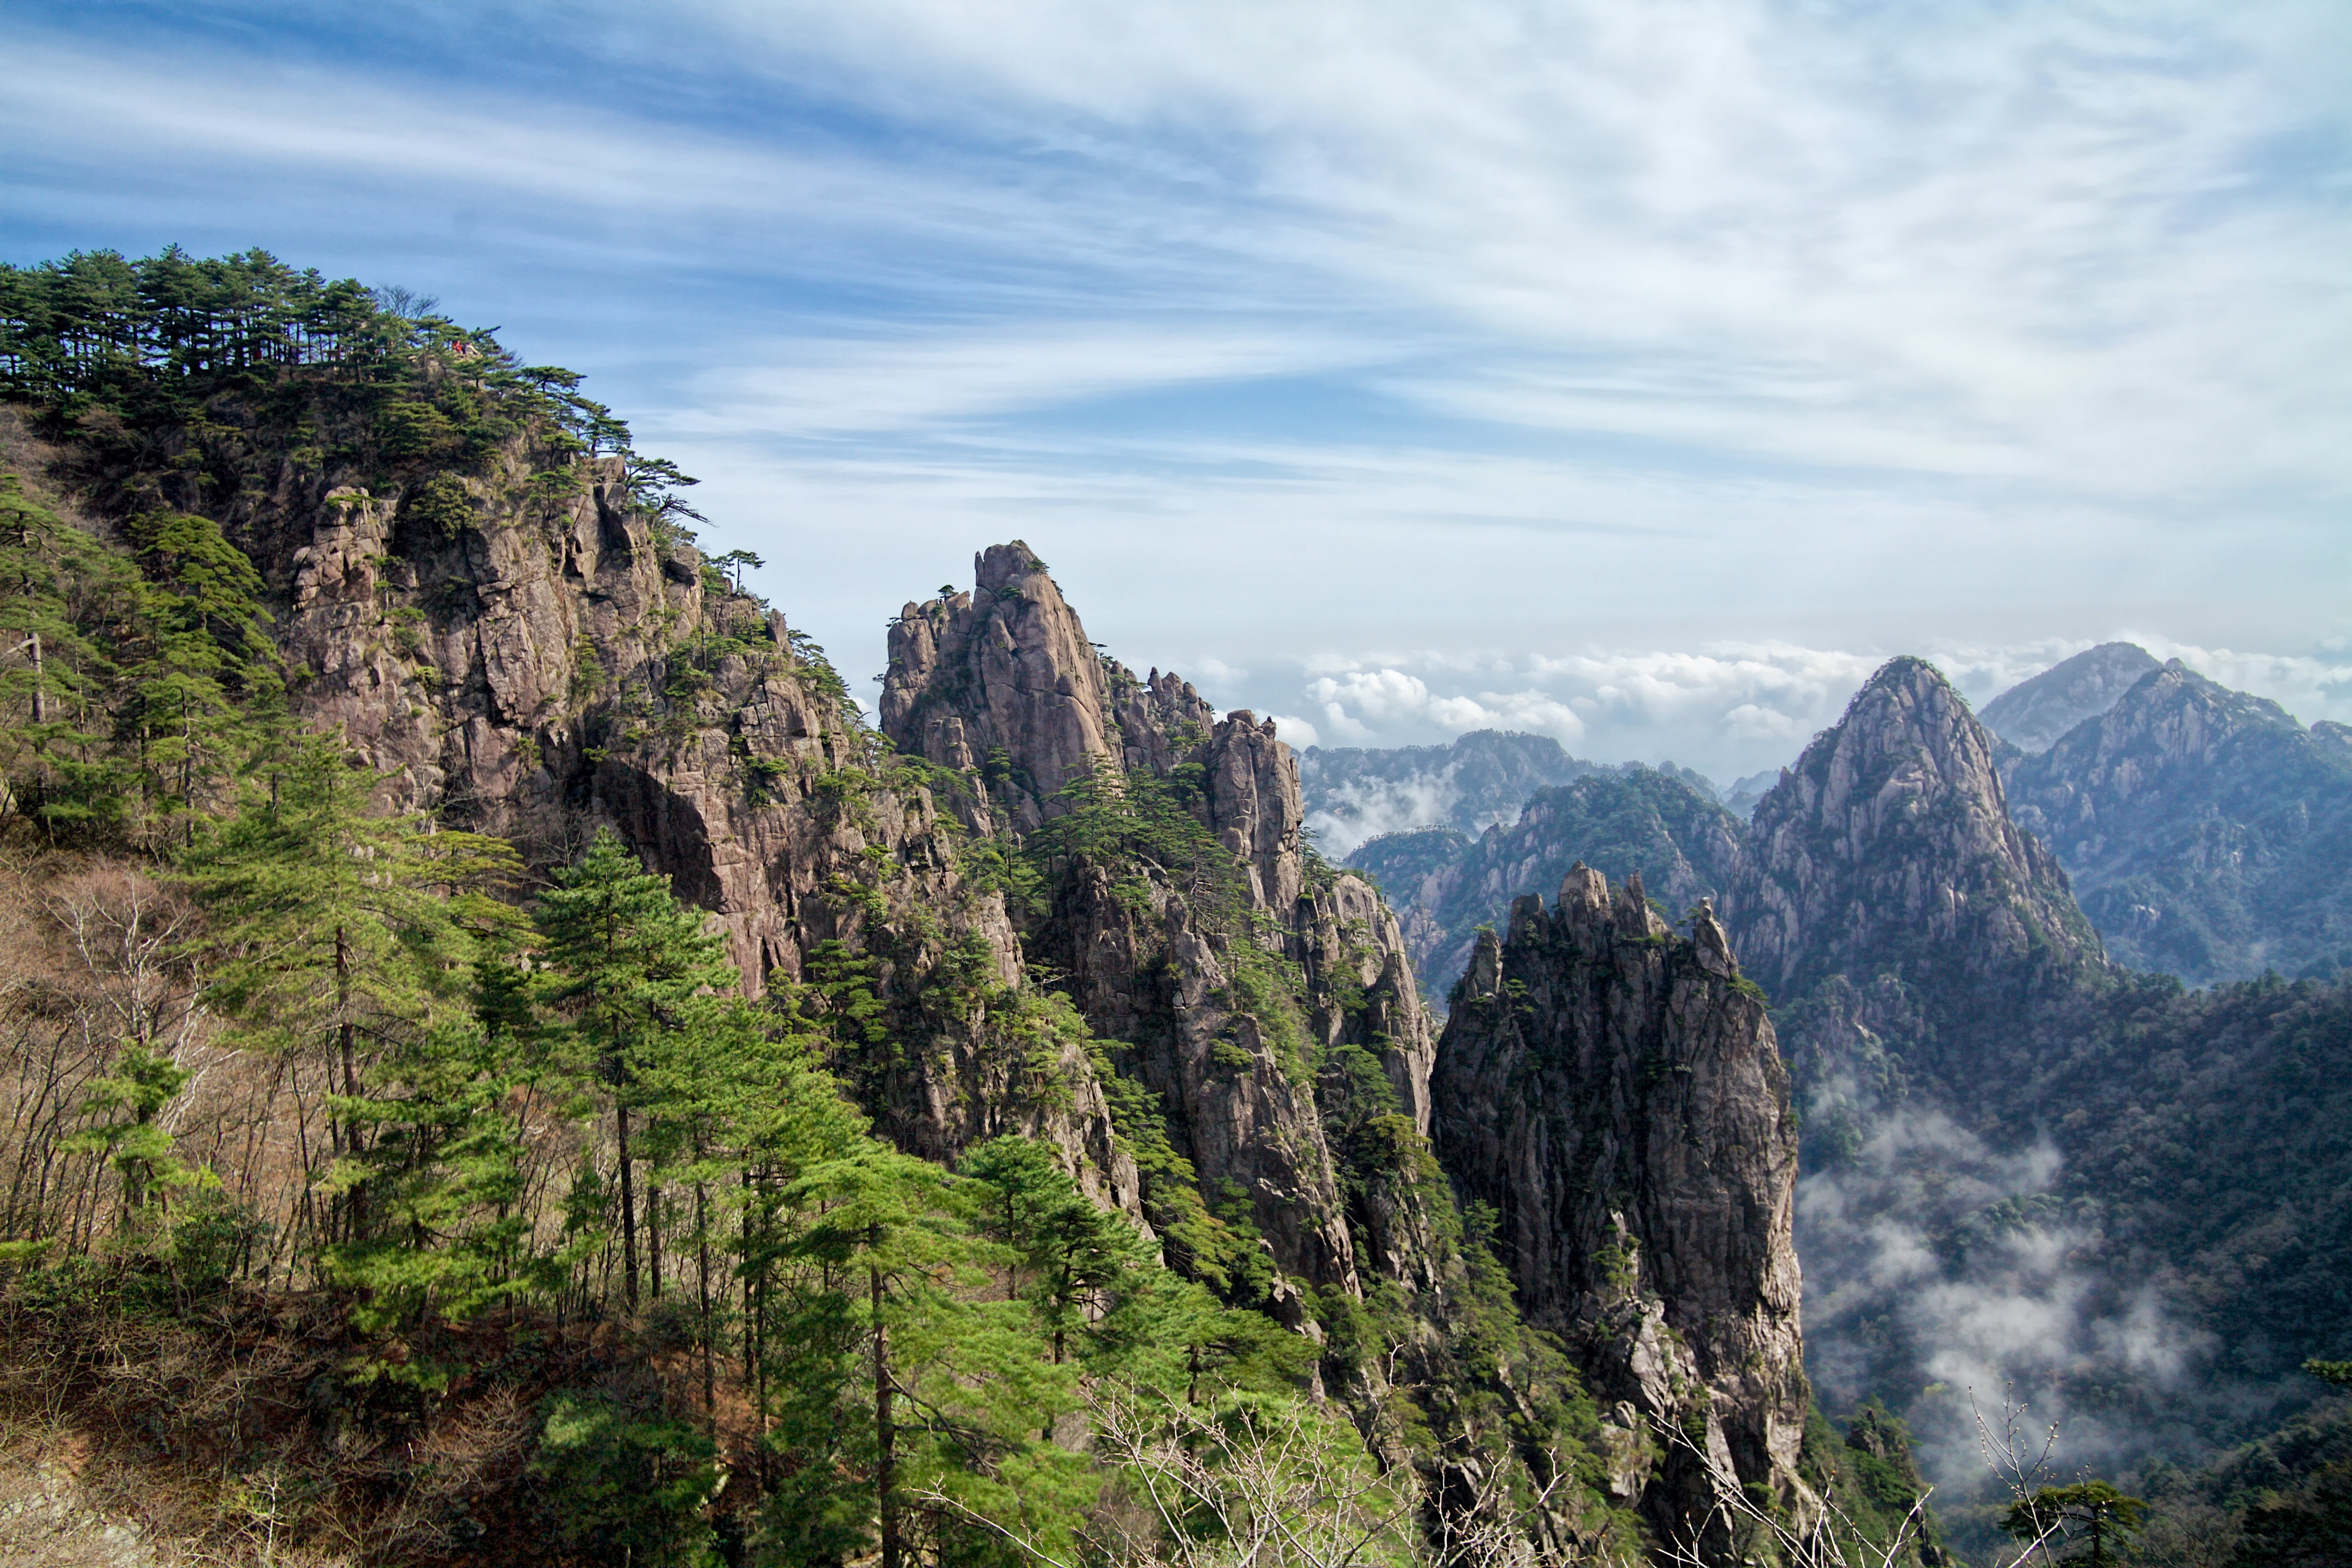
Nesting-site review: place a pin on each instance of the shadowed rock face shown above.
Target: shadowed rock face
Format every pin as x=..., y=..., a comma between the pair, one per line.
x=1615, y=1093
x=2033, y=713
x=1888, y=847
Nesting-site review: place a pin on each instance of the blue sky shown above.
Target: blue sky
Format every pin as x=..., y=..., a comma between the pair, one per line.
x=1638, y=374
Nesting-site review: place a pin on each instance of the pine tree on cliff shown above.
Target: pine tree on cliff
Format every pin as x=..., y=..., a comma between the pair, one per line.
x=627, y=957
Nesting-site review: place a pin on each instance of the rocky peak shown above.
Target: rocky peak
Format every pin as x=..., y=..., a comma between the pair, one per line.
x=1888, y=847
x=1615, y=1093
x=999, y=684
x=2033, y=713
x=1003, y=688
x=2171, y=718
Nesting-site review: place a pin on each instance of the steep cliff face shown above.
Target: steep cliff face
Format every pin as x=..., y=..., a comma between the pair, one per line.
x=1223, y=999
x=538, y=665
x=1888, y=848
x=1615, y=1093
x=2209, y=834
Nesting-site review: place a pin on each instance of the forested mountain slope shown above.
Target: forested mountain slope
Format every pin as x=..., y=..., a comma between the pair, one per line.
x=478, y=962
x=1634, y=821
x=2207, y=831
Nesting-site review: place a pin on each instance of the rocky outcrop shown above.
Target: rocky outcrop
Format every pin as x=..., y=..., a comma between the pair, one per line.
x=1003, y=688
x=2033, y=713
x=2208, y=834
x=1615, y=1093
x=539, y=666
x=1888, y=847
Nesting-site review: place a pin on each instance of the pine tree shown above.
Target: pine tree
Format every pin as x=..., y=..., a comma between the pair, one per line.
x=627, y=957
x=131, y=1139
x=203, y=691
x=953, y=1386
x=62, y=594
x=337, y=933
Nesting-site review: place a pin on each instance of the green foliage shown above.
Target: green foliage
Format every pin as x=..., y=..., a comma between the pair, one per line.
x=2092, y=1513
x=624, y=1483
x=130, y=1098
x=442, y=505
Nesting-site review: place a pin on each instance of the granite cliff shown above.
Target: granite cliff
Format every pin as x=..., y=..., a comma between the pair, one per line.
x=537, y=661
x=1888, y=849
x=1252, y=1015
x=1614, y=1092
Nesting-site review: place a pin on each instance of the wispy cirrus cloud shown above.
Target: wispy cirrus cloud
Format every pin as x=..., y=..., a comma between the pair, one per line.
x=1346, y=327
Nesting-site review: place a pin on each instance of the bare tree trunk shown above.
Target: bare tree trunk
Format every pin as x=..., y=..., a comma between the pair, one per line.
x=885, y=1468
x=653, y=1238
x=702, y=1288
x=628, y=1207
x=355, y=1216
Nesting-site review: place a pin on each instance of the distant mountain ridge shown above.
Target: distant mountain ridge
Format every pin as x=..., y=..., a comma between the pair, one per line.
x=2209, y=834
x=2000, y=1123
x=1480, y=780
x=2033, y=713
x=1631, y=821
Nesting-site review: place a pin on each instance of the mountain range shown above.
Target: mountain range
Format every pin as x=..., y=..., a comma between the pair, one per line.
x=507, y=1061
x=586, y=1094
x=2029, y=1162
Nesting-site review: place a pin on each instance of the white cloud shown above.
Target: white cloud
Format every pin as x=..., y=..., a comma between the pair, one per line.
x=1295, y=733
x=817, y=387
x=1729, y=709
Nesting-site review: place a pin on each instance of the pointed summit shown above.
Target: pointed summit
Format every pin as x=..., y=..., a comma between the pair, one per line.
x=2033, y=713
x=1888, y=847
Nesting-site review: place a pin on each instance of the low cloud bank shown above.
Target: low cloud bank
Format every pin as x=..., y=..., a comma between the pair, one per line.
x=1728, y=710
x=1939, y=1268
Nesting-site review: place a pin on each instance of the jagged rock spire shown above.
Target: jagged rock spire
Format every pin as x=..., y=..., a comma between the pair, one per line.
x=1616, y=1094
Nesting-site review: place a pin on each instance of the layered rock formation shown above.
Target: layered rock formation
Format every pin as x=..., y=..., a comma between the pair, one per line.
x=1615, y=1093
x=2208, y=833
x=2033, y=713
